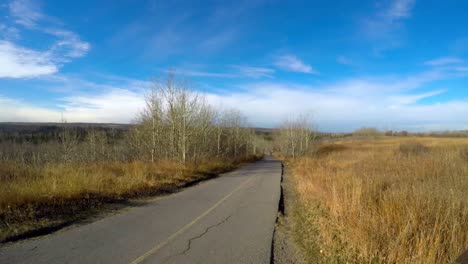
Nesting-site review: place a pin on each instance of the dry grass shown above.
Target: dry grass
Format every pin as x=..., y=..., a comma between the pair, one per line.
x=389, y=200
x=33, y=198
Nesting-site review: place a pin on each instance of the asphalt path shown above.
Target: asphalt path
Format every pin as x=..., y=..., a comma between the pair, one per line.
x=229, y=219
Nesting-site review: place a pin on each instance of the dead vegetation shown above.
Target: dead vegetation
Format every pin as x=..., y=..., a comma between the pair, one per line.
x=32, y=199
x=388, y=200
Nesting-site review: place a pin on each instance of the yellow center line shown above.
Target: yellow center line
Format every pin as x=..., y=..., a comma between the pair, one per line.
x=187, y=226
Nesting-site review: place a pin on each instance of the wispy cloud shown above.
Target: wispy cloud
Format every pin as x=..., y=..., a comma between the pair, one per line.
x=292, y=63
x=399, y=9
x=80, y=85
x=218, y=40
x=387, y=84
x=229, y=71
x=345, y=60
x=68, y=44
x=173, y=36
x=386, y=25
x=25, y=12
x=17, y=62
x=462, y=69
x=407, y=99
x=254, y=72
x=170, y=29
x=444, y=61
x=9, y=33
x=24, y=62
x=197, y=73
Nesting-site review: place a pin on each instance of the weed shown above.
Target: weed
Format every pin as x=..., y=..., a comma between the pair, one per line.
x=367, y=203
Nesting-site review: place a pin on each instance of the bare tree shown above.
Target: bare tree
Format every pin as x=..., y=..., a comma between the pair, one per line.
x=68, y=139
x=96, y=145
x=178, y=124
x=295, y=136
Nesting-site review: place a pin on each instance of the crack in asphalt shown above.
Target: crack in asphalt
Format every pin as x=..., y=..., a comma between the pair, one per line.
x=280, y=213
x=189, y=243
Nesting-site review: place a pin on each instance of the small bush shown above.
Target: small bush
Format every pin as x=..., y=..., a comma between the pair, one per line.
x=413, y=148
x=367, y=131
x=329, y=148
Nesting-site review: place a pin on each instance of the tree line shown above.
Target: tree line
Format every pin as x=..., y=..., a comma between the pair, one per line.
x=176, y=124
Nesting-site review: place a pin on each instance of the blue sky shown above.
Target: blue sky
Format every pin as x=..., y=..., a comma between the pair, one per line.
x=394, y=64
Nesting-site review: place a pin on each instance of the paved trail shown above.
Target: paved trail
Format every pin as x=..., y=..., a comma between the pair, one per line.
x=229, y=219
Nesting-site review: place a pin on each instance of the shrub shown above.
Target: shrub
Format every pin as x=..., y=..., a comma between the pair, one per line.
x=367, y=131
x=326, y=149
x=408, y=148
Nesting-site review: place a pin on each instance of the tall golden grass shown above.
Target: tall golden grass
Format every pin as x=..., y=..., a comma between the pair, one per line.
x=32, y=198
x=389, y=200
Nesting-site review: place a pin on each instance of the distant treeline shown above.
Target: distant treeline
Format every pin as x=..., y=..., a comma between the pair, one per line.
x=461, y=133
x=370, y=131
x=37, y=133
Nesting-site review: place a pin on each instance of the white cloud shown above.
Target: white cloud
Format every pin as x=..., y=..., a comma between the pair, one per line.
x=23, y=62
x=399, y=9
x=268, y=104
x=406, y=99
x=69, y=45
x=385, y=27
x=344, y=60
x=386, y=84
x=197, y=73
x=18, y=111
x=444, y=61
x=113, y=106
x=292, y=63
x=18, y=62
x=25, y=12
x=114, y=99
x=218, y=40
x=254, y=72
x=234, y=71
x=9, y=33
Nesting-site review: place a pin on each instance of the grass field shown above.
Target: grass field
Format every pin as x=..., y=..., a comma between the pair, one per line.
x=34, y=198
x=384, y=200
